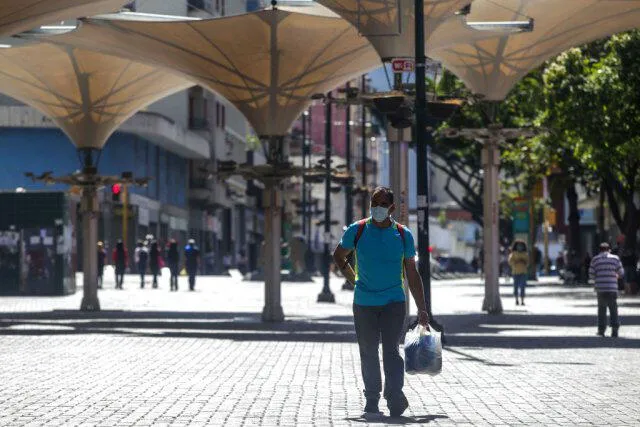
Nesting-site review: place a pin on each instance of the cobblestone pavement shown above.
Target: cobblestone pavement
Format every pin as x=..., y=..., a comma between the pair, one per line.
x=154, y=357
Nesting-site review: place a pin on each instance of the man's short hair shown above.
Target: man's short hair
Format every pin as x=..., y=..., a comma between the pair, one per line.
x=386, y=190
x=604, y=246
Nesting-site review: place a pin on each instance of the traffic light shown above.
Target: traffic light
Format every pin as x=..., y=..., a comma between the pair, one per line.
x=116, y=191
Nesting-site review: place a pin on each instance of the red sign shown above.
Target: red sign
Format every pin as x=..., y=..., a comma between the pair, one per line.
x=403, y=65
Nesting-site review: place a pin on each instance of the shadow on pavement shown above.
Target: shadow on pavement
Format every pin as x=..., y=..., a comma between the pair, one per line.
x=419, y=419
x=487, y=331
x=239, y=326
x=461, y=330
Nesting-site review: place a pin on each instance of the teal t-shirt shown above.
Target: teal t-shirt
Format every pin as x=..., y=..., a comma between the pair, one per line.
x=379, y=259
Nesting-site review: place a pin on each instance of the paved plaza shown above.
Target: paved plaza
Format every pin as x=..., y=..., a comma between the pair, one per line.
x=154, y=357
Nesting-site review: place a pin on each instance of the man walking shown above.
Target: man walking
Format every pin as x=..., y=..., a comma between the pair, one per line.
x=191, y=260
x=384, y=250
x=173, y=260
x=605, y=269
x=142, y=258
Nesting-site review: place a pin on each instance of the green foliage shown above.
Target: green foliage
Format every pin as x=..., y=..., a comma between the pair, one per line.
x=588, y=102
x=593, y=106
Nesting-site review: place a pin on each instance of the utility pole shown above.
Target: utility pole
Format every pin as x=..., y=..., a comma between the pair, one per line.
x=125, y=214
x=424, y=262
x=326, y=295
x=349, y=186
x=364, y=148
x=309, y=193
x=304, y=166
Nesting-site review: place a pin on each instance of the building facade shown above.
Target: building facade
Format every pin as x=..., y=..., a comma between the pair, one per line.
x=176, y=142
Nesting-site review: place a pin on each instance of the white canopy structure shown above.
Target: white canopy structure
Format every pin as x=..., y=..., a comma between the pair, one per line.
x=87, y=94
x=267, y=63
x=492, y=67
x=389, y=24
x=17, y=16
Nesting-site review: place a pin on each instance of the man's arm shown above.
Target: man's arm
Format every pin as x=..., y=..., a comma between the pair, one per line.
x=340, y=255
x=417, y=289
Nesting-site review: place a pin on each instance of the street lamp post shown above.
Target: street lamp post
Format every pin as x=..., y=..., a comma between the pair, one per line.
x=326, y=295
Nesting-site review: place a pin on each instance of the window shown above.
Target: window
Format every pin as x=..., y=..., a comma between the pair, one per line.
x=221, y=112
x=198, y=109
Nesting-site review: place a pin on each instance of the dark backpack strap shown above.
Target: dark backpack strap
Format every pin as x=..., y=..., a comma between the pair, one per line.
x=361, y=224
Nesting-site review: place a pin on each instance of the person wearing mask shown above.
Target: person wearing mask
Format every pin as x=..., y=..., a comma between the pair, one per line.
x=120, y=261
x=519, y=262
x=173, y=261
x=605, y=270
x=142, y=259
x=102, y=258
x=154, y=262
x=384, y=253
x=191, y=259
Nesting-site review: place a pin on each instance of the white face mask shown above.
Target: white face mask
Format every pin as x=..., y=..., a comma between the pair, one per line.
x=379, y=213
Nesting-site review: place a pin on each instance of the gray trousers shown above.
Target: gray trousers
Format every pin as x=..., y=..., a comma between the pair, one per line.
x=374, y=324
x=608, y=300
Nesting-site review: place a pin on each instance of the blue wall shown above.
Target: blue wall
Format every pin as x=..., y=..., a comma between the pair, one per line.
x=40, y=150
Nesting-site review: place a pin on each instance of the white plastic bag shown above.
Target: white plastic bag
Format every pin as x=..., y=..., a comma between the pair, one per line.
x=423, y=351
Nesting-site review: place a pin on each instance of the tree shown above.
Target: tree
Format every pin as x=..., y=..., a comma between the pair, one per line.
x=593, y=104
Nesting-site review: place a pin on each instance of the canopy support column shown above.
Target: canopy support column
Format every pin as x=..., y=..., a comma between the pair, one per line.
x=272, y=311
x=491, y=166
x=89, y=208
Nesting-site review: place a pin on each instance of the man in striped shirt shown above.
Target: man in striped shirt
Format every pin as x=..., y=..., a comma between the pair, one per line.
x=605, y=269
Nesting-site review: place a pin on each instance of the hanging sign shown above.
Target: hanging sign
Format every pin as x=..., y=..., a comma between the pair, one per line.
x=403, y=65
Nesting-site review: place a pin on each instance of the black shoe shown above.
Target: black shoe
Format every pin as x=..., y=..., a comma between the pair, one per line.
x=517, y=302
x=614, y=333
x=522, y=303
x=601, y=333
x=397, y=405
x=371, y=410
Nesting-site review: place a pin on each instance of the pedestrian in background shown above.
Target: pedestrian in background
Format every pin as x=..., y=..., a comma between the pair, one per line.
x=154, y=262
x=120, y=262
x=191, y=259
x=605, y=269
x=102, y=258
x=519, y=262
x=142, y=258
x=173, y=261
x=384, y=251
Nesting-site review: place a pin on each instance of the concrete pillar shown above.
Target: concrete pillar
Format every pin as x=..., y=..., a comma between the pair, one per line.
x=399, y=183
x=272, y=199
x=491, y=167
x=89, y=209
